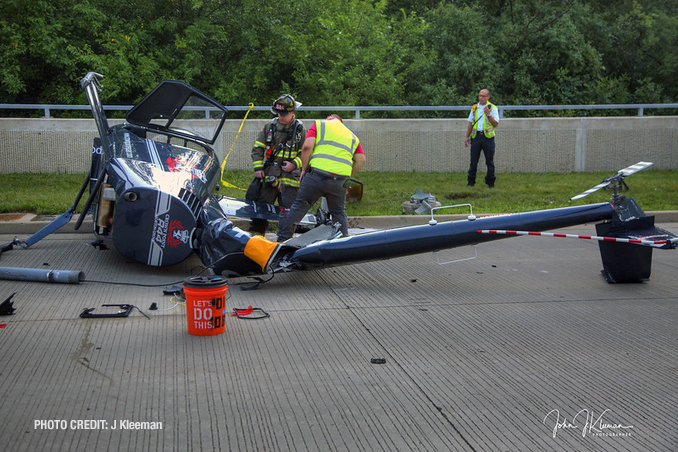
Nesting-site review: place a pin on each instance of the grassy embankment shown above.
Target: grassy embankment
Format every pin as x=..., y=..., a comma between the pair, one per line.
x=385, y=192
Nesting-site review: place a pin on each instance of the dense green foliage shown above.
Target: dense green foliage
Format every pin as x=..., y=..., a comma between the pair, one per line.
x=384, y=192
x=344, y=52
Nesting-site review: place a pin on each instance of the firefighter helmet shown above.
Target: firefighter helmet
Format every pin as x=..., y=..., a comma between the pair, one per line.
x=284, y=103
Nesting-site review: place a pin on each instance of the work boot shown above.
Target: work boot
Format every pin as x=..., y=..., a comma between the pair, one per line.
x=258, y=226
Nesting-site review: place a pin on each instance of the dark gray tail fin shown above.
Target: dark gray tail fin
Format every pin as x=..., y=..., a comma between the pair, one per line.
x=623, y=262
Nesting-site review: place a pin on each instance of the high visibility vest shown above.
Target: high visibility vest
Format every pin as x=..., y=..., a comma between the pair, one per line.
x=488, y=127
x=334, y=148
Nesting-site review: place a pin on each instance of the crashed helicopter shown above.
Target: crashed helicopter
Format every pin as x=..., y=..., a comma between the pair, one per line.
x=152, y=195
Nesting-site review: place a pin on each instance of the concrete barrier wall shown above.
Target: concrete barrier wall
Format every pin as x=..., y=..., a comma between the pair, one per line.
x=421, y=145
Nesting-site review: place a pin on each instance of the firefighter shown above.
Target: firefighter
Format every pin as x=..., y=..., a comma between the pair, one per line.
x=276, y=160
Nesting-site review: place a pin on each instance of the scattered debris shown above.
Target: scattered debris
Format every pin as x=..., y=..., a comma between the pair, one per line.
x=245, y=313
x=123, y=311
x=174, y=290
x=6, y=307
x=420, y=203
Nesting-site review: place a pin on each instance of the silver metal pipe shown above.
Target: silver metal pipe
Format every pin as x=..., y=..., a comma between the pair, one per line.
x=38, y=275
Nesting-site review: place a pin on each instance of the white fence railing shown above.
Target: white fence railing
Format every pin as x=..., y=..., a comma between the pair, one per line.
x=639, y=108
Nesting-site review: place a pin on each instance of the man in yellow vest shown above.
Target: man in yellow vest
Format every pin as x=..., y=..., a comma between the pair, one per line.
x=331, y=154
x=482, y=121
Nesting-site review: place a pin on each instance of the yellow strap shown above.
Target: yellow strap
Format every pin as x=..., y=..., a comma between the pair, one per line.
x=223, y=165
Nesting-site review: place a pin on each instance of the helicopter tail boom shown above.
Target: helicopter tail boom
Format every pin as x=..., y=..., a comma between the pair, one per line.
x=399, y=242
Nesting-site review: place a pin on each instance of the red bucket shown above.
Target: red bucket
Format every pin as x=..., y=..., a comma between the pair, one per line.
x=206, y=305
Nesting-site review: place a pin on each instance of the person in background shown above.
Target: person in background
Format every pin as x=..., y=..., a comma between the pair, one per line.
x=482, y=121
x=331, y=154
x=276, y=161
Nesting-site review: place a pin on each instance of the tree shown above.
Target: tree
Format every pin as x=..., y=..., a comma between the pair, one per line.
x=466, y=56
x=343, y=52
x=37, y=62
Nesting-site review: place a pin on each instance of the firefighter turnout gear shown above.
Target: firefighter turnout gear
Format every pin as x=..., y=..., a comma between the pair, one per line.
x=275, y=145
x=276, y=160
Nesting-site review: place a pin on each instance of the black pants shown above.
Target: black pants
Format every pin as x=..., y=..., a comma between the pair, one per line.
x=285, y=197
x=486, y=145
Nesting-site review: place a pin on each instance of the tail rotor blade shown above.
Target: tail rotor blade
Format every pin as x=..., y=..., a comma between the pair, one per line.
x=591, y=190
x=616, y=179
x=635, y=168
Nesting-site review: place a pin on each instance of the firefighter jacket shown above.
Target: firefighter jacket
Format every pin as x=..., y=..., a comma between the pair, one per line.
x=488, y=127
x=276, y=144
x=335, y=145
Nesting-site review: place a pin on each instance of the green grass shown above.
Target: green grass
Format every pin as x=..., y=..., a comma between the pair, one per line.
x=384, y=193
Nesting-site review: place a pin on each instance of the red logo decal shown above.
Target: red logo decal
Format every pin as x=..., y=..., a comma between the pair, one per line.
x=175, y=165
x=177, y=234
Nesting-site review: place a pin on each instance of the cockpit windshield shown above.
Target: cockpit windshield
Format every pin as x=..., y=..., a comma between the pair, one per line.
x=172, y=104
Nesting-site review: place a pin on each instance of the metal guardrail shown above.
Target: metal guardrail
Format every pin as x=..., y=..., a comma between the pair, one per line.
x=640, y=108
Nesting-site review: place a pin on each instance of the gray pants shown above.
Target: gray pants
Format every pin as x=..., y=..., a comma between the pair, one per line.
x=313, y=186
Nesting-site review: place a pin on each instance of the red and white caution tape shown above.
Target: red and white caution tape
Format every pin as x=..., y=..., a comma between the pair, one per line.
x=574, y=236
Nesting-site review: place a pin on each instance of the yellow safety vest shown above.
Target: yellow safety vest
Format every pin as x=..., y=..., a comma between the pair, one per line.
x=334, y=147
x=488, y=127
